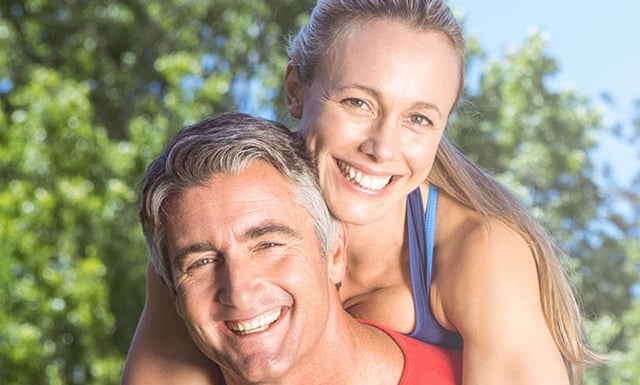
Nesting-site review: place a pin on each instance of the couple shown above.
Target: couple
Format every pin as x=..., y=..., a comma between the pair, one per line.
x=373, y=83
x=238, y=229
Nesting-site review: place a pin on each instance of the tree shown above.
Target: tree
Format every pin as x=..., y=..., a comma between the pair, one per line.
x=613, y=275
x=539, y=141
x=59, y=195
x=90, y=92
x=143, y=48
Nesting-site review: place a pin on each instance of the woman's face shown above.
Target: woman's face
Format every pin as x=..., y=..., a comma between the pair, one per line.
x=374, y=115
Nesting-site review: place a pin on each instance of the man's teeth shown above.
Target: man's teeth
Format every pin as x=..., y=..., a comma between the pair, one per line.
x=257, y=324
x=368, y=182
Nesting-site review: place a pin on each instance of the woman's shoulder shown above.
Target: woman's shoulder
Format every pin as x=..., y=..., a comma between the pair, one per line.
x=480, y=255
x=465, y=232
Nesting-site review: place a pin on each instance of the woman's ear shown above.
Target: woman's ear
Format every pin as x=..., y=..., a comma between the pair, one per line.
x=337, y=257
x=293, y=91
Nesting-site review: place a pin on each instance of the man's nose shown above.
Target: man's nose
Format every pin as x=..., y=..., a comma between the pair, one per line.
x=238, y=284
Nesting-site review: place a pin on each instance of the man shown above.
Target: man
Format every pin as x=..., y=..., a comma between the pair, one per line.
x=237, y=228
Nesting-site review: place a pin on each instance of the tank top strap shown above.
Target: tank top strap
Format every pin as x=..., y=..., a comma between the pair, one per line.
x=430, y=230
x=421, y=236
x=417, y=251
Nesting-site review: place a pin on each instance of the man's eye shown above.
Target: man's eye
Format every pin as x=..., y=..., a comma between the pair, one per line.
x=269, y=245
x=201, y=262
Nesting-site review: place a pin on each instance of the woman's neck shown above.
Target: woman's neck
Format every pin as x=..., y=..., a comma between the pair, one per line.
x=376, y=250
x=379, y=240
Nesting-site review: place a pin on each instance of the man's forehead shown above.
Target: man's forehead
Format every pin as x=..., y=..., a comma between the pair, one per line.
x=238, y=208
x=259, y=182
x=257, y=192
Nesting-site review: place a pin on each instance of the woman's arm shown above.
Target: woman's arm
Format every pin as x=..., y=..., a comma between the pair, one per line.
x=162, y=352
x=489, y=291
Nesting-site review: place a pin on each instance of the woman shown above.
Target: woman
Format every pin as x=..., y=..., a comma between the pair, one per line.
x=373, y=83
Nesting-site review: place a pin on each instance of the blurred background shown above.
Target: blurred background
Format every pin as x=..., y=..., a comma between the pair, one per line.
x=90, y=92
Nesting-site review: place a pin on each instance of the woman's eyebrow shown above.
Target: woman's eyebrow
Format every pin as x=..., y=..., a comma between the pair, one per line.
x=379, y=95
x=430, y=106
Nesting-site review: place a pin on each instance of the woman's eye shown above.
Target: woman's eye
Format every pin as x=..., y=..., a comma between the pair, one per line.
x=421, y=120
x=355, y=102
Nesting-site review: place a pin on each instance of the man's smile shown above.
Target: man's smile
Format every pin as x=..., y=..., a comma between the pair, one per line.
x=257, y=324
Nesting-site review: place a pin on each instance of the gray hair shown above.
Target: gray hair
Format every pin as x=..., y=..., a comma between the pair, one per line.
x=227, y=143
x=331, y=21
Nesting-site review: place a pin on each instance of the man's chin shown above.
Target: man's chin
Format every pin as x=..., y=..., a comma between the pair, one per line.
x=257, y=368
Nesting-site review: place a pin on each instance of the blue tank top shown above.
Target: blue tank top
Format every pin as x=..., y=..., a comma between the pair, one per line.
x=421, y=232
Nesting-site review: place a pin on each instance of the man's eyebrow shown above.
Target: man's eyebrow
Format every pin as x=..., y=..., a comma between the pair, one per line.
x=252, y=233
x=269, y=228
x=193, y=248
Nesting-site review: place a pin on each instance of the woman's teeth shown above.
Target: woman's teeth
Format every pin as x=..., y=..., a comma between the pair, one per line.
x=255, y=325
x=369, y=182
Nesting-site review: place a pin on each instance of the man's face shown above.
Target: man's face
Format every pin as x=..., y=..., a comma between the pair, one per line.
x=252, y=286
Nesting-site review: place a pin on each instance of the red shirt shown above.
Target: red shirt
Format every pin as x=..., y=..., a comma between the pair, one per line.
x=426, y=364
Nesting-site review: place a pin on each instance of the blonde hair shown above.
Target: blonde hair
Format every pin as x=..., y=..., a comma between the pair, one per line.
x=452, y=172
x=470, y=185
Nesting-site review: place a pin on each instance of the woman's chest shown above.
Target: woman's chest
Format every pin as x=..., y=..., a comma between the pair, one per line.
x=391, y=306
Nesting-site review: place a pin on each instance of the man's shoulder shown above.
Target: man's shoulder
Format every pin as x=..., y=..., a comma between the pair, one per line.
x=426, y=363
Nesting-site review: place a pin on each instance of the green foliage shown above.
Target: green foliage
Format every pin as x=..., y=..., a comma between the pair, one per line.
x=140, y=54
x=534, y=138
x=538, y=140
x=58, y=201
x=94, y=92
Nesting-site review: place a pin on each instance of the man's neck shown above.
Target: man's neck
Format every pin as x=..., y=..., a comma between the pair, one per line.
x=352, y=353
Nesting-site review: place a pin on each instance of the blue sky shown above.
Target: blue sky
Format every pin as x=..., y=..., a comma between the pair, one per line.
x=596, y=45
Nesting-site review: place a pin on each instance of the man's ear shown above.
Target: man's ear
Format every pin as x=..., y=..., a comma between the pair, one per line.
x=337, y=257
x=171, y=289
x=174, y=296
x=293, y=91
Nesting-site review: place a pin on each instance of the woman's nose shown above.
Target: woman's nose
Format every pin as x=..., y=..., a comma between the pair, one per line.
x=381, y=143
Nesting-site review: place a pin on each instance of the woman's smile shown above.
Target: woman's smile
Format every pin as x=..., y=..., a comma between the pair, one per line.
x=362, y=179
